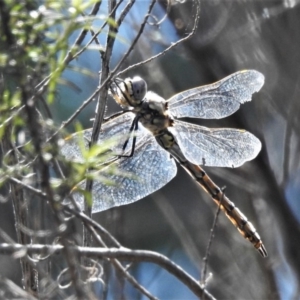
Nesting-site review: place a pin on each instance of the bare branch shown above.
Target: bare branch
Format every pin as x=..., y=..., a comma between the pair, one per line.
x=116, y=253
x=69, y=57
x=141, y=30
x=197, y=17
x=81, y=35
x=207, y=253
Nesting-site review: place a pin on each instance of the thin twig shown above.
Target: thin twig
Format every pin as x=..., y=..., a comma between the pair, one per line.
x=125, y=11
x=197, y=17
x=81, y=35
x=100, y=110
x=12, y=115
x=141, y=30
x=211, y=236
x=28, y=187
x=69, y=57
x=95, y=34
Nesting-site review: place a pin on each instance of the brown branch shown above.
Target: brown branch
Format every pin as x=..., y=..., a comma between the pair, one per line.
x=100, y=110
x=123, y=254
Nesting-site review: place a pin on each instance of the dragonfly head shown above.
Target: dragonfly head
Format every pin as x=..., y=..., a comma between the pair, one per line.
x=129, y=92
x=139, y=88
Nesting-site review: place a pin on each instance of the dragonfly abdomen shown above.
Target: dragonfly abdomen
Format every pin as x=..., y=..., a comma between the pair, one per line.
x=237, y=218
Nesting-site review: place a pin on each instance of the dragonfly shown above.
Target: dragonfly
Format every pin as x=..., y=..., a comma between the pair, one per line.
x=151, y=140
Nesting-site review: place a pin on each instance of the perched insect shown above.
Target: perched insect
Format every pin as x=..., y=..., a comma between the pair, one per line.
x=146, y=150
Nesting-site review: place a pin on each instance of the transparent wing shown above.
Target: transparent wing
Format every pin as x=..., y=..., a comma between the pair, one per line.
x=152, y=168
x=217, y=100
x=117, y=130
x=220, y=147
x=148, y=170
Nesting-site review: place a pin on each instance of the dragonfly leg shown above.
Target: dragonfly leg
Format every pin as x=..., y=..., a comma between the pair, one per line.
x=133, y=129
x=115, y=115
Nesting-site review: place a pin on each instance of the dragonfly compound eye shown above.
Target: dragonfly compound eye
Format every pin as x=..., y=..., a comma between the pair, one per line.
x=139, y=88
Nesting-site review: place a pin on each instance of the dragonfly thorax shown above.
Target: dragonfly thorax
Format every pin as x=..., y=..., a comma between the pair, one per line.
x=156, y=103
x=154, y=113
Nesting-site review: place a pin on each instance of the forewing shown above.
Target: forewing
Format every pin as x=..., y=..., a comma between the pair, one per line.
x=117, y=130
x=148, y=170
x=217, y=100
x=220, y=147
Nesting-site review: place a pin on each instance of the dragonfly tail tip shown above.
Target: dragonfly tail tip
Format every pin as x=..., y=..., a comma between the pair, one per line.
x=263, y=251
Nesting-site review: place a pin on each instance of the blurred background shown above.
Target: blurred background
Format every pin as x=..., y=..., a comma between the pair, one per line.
x=232, y=35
